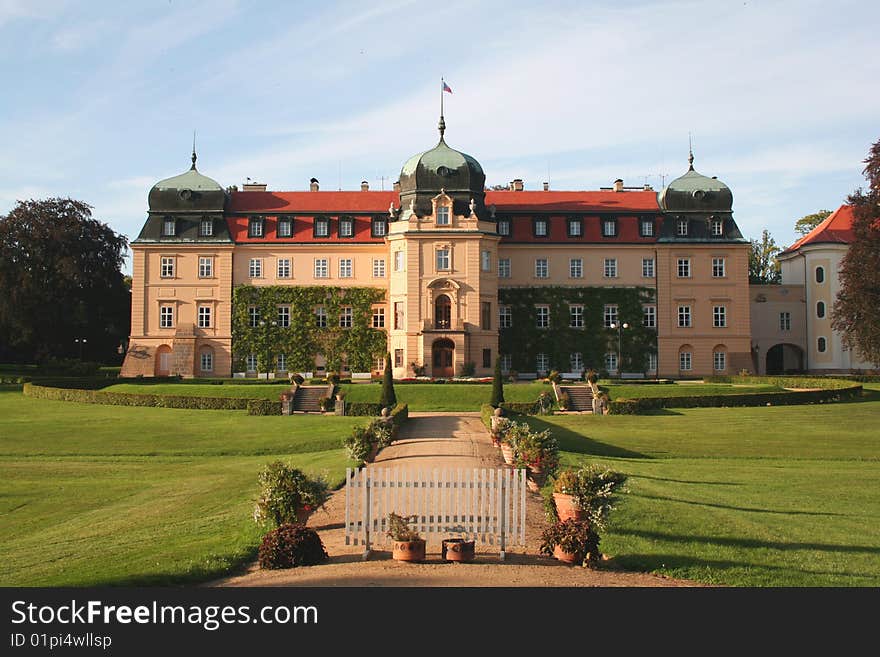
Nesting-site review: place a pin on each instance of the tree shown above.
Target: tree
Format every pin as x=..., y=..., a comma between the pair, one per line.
x=61, y=281
x=807, y=223
x=497, y=386
x=388, y=399
x=856, y=313
x=763, y=267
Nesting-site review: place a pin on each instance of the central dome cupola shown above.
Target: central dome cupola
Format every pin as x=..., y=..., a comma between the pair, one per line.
x=442, y=168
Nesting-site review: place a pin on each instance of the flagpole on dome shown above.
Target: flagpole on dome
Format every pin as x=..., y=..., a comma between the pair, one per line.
x=443, y=87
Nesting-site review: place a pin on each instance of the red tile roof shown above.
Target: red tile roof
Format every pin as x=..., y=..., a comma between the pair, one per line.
x=541, y=201
x=837, y=228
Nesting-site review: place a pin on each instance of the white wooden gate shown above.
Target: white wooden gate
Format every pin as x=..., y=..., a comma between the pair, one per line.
x=484, y=505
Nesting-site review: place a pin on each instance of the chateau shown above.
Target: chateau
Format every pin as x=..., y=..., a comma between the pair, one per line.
x=442, y=273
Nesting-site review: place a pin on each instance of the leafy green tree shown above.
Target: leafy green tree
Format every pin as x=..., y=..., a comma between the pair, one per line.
x=763, y=267
x=856, y=312
x=61, y=281
x=807, y=223
x=389, y=398
x=497, y=386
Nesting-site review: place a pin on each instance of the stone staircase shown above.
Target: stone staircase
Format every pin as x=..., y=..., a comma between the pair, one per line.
x=581, y=397
x=307, y=398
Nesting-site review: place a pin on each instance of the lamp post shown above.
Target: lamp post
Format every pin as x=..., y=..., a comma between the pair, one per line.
x=81, y=342
x=268, y=327
x=619, y=328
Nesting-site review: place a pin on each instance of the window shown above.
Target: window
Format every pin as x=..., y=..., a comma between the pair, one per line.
x=718, y=269
x=250, y=363
x=821, y=345
x=486, y=261
x=283, y=267
x=281, y=363
x=207, y=361
x=166, y=267
x=785, y=321
x=486, y=315
x=611, y=362
x=285, y=227
x=398, y=358
x=540, y=227
x=681, y=227
x=206, y=267
x=610, y=315
x=576, y=316
x=253, y=316
x=506, y=363
x=443, y=260
x=345, y=268
x=610, y=268
x=255, y=227
x=542, y=363
x=684, y=361
x=684, y=316
x=379, y=228
x=576, y=362
x=345, y=317
x=322, y=268
x=542, y=269
x=284, y=316
x=652, y=362
x=646, y=228
x=487, y=358
x=398, y=315
x=609, y=227
x=820, y=309
x=321, y=317
x=166, y=316
x=398, y=261
x=576, y=268
x=322, y=227
x=717, y=231
x=442, y=216
x=204, y=316
x=379, y=364
x=648, y=267
x=719, y=361
x=379, y=317
x=504, y=226
x=719, y=316
x=346, y=227
x=169, y=227
x=503, y=267
x=379, y=268
x=575, y=227
x=505, y=317
x=820, y=274
x=255, y=268
x=206, y=229
x=684, y=267
x=649, y=316
x=542, y=316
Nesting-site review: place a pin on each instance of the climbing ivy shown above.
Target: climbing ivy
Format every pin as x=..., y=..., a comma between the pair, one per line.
x=524, y=340
x=358, y=346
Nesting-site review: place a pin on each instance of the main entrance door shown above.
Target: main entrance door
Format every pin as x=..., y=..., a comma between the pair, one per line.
x=442, y=357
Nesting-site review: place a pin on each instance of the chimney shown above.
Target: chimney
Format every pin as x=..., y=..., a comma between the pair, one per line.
x=313, y=185
x=253, y=187
x=648, y=188
x=396, y=186
x=546, y=186
x=618, y=185
x=516, y=185
x=365, y=186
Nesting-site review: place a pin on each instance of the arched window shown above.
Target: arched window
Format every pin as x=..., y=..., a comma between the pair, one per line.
x=442, y=312
x=719, y=358
x=820, y=309
x=820, y=274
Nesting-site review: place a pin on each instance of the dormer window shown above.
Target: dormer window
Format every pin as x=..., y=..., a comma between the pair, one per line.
x=169, y=227
x=379, y=227
x=442, y=215
x=255, y=227
x=346, y=227
x=322, y=227
x=206, y=228
x=717, y=228
x=285, y=227
x=504, y=226
x=609, y=227
x=541, y=227
x=682, y=227
x=575, y=227
x=646, y=228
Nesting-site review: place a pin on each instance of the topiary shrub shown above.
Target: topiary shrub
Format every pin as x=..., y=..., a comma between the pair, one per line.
x=389, y=397
x=497, y=386
x=291, y=545
x=288, y=494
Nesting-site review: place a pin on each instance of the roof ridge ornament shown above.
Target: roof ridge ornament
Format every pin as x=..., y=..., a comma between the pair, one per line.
x=690, y=153
x=193, y=167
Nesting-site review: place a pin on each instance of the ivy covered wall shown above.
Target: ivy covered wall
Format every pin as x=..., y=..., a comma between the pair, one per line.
x=359, y=345
x=524, y=340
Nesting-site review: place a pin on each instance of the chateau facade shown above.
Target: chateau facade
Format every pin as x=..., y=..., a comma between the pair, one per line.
x=442, y=273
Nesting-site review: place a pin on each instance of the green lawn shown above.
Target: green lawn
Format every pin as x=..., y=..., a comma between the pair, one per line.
x=93, y=495
x=780, y=496
x=638, y=391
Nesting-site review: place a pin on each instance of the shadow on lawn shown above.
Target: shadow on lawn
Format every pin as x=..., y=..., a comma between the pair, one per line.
x=578, y=443
x=687, y=481
x=748, y=542
x=739, y=508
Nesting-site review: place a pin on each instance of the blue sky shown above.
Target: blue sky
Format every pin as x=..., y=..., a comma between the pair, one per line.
x=100, y=98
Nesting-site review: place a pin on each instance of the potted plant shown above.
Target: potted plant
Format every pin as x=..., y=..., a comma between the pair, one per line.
x=500, y=426
x=362, y=444
x=458, y=550
x=408, y=544
x=288, y=495
x=587, y=493
x=508, y=442
x=571, y=541
x=539, y=453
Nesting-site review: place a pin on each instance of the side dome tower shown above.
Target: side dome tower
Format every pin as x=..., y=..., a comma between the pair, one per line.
x=188, y=192
x=694, y=192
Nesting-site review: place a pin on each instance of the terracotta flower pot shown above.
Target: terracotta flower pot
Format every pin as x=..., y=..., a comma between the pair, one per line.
x=507, y=453
x=566, y=508
x=409, y=550
x=458, y=549
x=566, y=557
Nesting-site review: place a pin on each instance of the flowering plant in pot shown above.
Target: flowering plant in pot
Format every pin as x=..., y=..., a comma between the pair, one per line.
x=362, y=444
x=587, y=493
x=408, y=544
x=288, y=495
x=537, y=451
x=571, y=541
x=500, y=427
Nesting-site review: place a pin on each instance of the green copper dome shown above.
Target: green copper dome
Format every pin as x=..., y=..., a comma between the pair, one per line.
x=188, y=192
x=694, y=192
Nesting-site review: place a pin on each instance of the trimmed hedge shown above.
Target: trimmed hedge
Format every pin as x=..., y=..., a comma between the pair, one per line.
x=487, y=412
x=399, y=414
x=132, y=399
x=263, y=407
x=785, y=381
x=523, y=408
x=363, y=409
x=10, y=380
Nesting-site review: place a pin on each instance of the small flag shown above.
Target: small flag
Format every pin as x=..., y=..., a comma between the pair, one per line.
x=445, y=86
